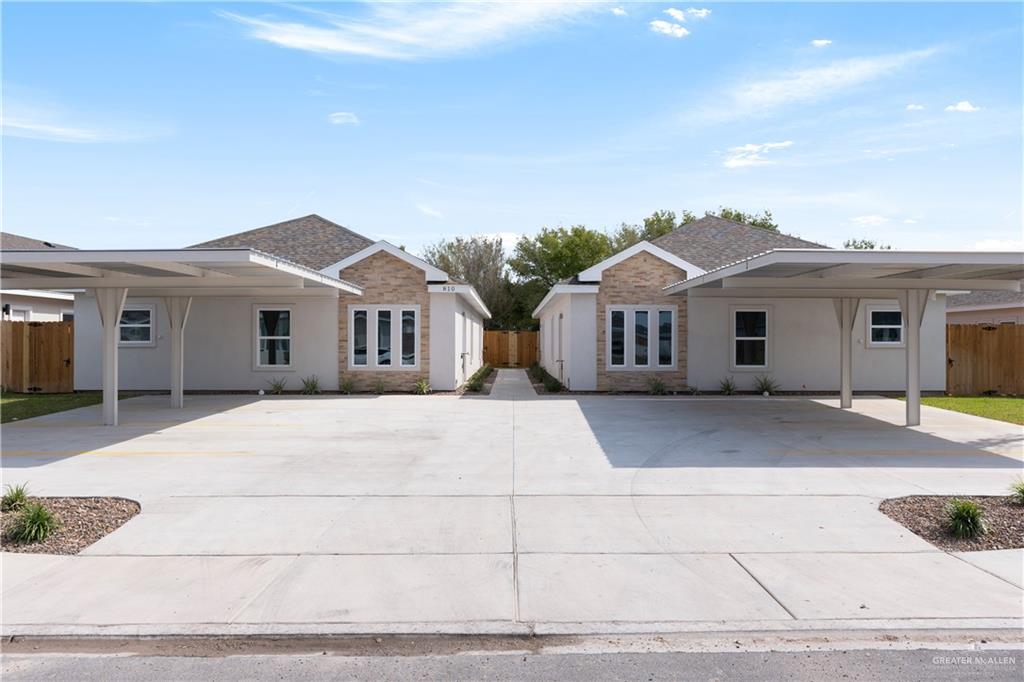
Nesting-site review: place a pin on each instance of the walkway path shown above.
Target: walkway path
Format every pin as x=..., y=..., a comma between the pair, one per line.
x=512, y=384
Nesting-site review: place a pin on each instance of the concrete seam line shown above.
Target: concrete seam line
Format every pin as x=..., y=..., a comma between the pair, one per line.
x=762, y=586
x=984, y=570
x=512, y=512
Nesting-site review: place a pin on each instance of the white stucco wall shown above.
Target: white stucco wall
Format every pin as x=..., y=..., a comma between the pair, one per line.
x=220, y=345
x=448, y=341
x=39, y=308
x=550, y=353
x=803, y=347
x=582, y=363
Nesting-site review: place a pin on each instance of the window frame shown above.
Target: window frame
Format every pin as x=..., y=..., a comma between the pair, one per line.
x=67, y=311
x=653, y=338
x=869, y=311
x=151, y=308
x=275, y=307
x=767, y=338
x=371, y=338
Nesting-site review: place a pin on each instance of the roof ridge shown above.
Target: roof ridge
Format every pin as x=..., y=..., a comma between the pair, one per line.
x=286, y=222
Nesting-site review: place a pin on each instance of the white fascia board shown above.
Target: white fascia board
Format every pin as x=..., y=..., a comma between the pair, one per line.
x=1009, y=305
x=560, y=289
x=307, y=274
x=38, y=293
x=431, y=273
x=466, y=291
x=594, y=273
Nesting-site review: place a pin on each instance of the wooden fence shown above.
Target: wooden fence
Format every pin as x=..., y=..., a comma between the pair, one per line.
x=511, y=349
x=983, y=358
x=37, y=357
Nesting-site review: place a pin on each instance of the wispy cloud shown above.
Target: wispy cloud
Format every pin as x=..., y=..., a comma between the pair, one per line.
x=669, y=29
x=619, y=12
x=821, y=42
x=429, y=211
x=963, y=107
x=677, y=14
x=342, y=118
x=869, y=220
x=39, y=130
x=411, y=31
x=915, y=107
x=698, y=13
x=752, y=154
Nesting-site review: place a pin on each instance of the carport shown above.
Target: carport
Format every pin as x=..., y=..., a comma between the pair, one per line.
x=848, y=276
x=176, y=276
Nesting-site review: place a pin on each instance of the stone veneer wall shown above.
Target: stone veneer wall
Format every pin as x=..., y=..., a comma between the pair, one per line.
x=638, y=280
x=386, y=280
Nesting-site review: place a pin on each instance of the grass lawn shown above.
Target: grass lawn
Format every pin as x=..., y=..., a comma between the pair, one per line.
x=1004, y=409
x=18, y=406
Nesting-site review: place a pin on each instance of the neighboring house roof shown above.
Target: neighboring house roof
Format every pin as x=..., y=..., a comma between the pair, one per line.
x=1009, y=299
x=12, y=241
x=712, y=242
x=312, y=241
x=432, y=273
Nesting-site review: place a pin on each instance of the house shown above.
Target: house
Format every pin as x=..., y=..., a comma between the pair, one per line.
x=31, y=305
x=386, y=320
x=985, y=307
x=659, y=310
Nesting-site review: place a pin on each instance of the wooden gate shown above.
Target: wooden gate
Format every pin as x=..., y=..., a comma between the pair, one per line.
x=985, y=358
x=510, y=349
x=37, y=357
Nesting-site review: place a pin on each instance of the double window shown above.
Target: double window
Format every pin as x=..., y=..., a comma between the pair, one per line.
x=274, y=337
x=136, y=327
x=750, y=338
x=641, y=337
x=885, y=326
x=384, y=337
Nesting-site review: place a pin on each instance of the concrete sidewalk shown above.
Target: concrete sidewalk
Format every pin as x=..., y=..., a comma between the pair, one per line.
x=512, y=384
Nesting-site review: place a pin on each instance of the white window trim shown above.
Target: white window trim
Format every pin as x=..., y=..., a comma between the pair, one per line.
x=152, y=326
x=630, y=338
x=888, y=308
x=67, y=311
x=256, y=365
x=767, y=310
x=371, y=338
x=27, y=309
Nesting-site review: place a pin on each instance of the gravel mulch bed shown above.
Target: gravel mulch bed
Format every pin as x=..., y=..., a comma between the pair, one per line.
x=925, y=515
x=81, y=522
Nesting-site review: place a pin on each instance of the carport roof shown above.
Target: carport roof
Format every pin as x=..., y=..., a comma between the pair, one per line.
x=826, y=272
x=172, y=272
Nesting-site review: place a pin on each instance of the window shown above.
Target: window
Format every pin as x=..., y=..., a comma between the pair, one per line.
x=67, y=315
x=380, y=334
x=750, y=339
x=21, y=314
x=137, y=326
x=273, y=337
x=633, y=344
x=885, y=327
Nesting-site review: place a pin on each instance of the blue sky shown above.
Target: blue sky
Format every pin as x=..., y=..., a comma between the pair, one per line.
x=161, y=125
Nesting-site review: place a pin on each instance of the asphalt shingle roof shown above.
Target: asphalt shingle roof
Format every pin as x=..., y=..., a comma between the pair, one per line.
x=1009, y=298
x=311, y=241
x=711, y=242
x=9, y=240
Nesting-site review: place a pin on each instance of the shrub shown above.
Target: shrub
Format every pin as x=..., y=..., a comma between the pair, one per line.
x=15, y=497
x=311, y=385
x=476, y=382
x=347, y=386
x=694, y=390
x=656, y=386
x=421, y=387
x=551, y=384
x=1017, y=491
x=965, y=519
x=277, y=385
x=764, y=384
x=378, y=388
x=34, y=523
x=727, y=386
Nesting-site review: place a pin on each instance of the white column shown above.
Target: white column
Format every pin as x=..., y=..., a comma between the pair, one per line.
x=912, y=304
x=110, y=302
x=178, y=308
x=847, y=313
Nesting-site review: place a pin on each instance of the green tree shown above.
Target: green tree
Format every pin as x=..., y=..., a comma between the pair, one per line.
x=763, y=220
x=554, y=254
x=479, y=261
x=654, y=226
x=865, y=244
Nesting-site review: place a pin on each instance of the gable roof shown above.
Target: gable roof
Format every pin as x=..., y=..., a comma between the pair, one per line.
x=430, y=272
x=9, y=240
x=594, y=272
x=712, y=242
x=1008, y=299
x=312, y=241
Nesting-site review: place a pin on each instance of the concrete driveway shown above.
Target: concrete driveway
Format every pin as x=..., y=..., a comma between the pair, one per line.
x=508, y=513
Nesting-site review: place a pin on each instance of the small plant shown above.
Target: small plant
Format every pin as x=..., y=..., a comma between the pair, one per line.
x=476, y=382
x=347, y=386
x=694, y=390
x=1017, y=491
x=34, y=523
x=311, y=385
x=656, y=386
x=421, y=387
x=965, y=519
x=277, y=385
x=551, y=384
x=378, y=388
x=613, y=389
x=727, y=386
x=15, y=497
x=765, y=385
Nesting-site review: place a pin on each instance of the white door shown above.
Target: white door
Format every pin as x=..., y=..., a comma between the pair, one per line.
x=561, y=360
x=465, y=354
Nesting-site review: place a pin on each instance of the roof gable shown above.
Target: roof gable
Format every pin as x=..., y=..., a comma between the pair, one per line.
x=312, y=241
x=431, y=273
x=595, y=272
x=9, y=240
x=712, y=242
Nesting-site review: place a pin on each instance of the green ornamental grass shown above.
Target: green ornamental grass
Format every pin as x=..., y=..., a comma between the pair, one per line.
x=1017, y=491
x=965, y=519
x=15, y=497
x=34, y=523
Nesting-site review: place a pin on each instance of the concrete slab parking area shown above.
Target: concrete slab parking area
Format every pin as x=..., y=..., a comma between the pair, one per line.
x=507, y=514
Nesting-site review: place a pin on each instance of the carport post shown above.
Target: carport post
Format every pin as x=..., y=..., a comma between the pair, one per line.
x=178, y=308
x=912, y=303
x=846, y=312
x=110, y=302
